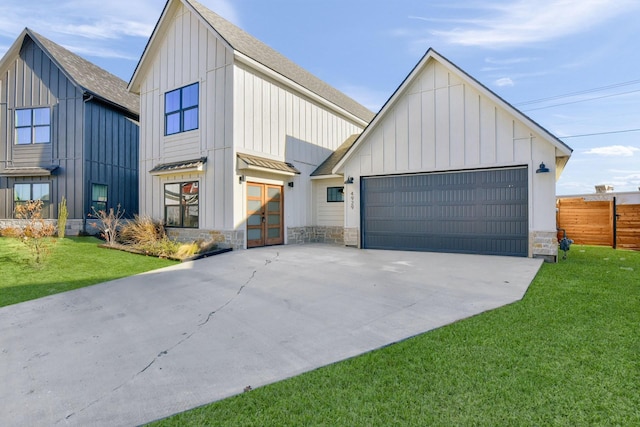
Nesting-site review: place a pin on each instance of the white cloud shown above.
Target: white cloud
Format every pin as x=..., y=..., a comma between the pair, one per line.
x=504, y=81
x=531, y=21
x=614, y=150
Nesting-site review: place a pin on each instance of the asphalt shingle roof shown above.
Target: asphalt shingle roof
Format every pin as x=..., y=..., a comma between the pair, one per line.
x=89, y=76
x=248, y=45
x=326, y=168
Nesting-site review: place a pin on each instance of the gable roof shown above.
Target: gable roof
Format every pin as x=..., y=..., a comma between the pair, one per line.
x=247, y=45
x=326, y=167
x=563, y=150
x=82, y=73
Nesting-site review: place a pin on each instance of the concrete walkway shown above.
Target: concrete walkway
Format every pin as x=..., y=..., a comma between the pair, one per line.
x=134, y=350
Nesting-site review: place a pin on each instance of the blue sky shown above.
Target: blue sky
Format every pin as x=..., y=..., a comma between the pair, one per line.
x=572, y=65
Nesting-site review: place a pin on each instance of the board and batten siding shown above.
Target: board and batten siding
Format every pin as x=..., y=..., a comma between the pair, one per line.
x=189, y=52
x=111, y=157
x=277, y=122
x=442, y=123
x=31, y=81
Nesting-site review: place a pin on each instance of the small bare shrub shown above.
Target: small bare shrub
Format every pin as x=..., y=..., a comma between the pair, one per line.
x=110, y=221
x=36, y=231
x=11, y=232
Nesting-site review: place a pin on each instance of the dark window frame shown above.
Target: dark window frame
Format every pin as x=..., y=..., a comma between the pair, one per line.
x=95, y=202
x=181, y=110
x=46, y=205
x=335, y=194
x=185, y=204
x=32, y=126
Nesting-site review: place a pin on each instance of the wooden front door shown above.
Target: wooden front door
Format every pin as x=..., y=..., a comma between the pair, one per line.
x=264, y=215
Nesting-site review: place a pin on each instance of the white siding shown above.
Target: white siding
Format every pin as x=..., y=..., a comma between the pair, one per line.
x=443, y=121
x=184, y=53
x=276, y=122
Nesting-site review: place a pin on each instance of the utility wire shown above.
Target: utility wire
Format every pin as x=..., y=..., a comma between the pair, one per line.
x=600, y=133
x=581, y=92
x=583, y=100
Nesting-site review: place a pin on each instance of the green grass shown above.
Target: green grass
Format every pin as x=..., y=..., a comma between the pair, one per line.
x=73, y=263
x=568, y=354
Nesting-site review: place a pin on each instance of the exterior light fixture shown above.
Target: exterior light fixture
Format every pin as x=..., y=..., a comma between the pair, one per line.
x=290, y=184
x=349, y=180
x=542, y=168
x=241, y=179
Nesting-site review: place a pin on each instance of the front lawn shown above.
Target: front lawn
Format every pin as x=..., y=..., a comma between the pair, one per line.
x=73, y=263
x=567, y=354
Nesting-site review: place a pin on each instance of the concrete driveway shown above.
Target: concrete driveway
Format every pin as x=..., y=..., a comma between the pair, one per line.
x=134, y=350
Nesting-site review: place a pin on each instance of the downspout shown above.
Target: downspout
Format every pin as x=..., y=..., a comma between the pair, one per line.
x=84, y=216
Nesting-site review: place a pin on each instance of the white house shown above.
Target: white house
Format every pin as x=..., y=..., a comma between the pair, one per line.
x=239, y=143
x=231, y=131
x=449, y=166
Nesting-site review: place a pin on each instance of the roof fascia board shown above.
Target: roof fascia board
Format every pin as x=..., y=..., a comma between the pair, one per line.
x=399, y=92
x=320, y=177
x=240, y=57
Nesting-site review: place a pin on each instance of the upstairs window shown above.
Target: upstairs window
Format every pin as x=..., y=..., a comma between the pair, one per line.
x=23, y=193
x=335, y=194
x=33, y=126
x=181, y=109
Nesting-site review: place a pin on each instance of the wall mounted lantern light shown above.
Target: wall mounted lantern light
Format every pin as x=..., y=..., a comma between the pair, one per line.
x=241, y=179
x=290, y=184
x=349, y=180
x=542, y=168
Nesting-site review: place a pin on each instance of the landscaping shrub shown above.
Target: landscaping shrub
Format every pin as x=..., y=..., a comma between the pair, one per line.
x=36, y=232
x=143, y=230
x=63, y=214
x=109, y=223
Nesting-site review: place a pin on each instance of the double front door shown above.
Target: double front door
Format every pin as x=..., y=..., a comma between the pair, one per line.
x=264, y=215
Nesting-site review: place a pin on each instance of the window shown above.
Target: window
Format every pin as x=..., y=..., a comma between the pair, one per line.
x=181, y=205
x=22, y=193
x=98, y=197
x=181, y=109
x=335, y=194
x=33, y=126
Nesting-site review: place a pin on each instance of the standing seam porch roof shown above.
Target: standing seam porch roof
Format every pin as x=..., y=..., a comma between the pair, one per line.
x=242, y=42
x=82, y=73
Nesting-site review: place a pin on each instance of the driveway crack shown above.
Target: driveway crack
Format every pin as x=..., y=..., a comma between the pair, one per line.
x=177, y=344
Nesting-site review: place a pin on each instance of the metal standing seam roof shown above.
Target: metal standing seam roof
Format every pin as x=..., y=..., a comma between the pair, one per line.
x=261, y=162
x=29, y=171
x=89, y=76
x=248, y=45
x=326, y=167
x=178, y=166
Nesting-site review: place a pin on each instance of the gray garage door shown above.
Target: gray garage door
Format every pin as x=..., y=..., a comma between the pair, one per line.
x=478, y=212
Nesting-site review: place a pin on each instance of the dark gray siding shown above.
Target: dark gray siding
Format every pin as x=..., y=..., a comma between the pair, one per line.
x=112, y=156
x=33, y=80
x=481, y=212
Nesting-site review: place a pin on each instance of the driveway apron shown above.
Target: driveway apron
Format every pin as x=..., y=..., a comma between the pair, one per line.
x=141, y=348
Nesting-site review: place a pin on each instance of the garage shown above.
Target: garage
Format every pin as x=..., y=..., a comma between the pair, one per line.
x=477, y=212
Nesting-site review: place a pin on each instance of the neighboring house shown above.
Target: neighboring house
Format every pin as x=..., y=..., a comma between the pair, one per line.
x=448, y=166
x=230, y=133
x=67, y=129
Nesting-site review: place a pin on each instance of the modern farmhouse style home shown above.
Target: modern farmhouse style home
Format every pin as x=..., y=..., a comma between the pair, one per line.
x=67, y=129
x=231, y=131
x=239, y=143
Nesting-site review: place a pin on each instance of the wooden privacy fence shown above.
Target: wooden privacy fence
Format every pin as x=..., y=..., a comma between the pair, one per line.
x=601, y=223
